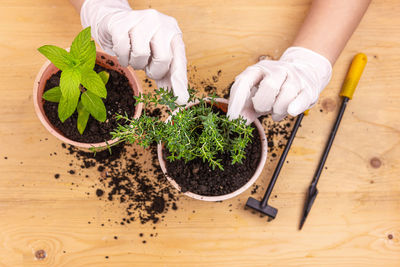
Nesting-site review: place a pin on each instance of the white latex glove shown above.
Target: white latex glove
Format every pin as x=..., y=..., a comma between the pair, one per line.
x=144, y=39
x=289, y=85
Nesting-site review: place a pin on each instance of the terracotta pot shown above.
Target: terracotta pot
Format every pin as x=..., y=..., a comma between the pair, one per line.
x=222, y=104
x=49, y=69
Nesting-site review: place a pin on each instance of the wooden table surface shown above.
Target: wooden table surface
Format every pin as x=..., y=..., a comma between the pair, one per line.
x=355, y=220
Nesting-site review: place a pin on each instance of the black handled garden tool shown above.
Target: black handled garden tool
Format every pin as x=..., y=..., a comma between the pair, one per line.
x=263, y=206
x=348, y=88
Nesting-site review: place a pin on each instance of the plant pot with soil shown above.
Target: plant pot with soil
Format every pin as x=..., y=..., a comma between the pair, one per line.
x=203, y=154
x=76, y=93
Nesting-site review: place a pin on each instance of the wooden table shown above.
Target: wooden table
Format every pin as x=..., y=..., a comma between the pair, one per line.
x=354, y=222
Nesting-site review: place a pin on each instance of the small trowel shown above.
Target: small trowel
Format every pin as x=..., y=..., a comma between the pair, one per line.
x=348, y=88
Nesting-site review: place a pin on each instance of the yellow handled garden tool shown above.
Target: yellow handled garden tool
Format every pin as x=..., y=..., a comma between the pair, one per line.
x=348, y=88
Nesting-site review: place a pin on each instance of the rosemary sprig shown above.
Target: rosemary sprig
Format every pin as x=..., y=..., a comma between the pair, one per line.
x=195, y=132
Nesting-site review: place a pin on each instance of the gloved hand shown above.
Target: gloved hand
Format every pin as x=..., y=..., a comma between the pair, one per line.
x=289, y=85
x=144, y=39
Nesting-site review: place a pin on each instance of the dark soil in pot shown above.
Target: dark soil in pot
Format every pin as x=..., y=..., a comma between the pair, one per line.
x=198, y=177
x=119, y=100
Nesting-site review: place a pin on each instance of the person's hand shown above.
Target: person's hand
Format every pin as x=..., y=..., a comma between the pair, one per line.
x=289, y=85
x=144, y=39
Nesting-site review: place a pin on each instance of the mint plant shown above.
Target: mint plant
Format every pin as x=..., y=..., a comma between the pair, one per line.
x=81, y=88
x=200, y=131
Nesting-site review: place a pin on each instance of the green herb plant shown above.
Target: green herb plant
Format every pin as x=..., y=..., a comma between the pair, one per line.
x=81, y=88
x=200, y=131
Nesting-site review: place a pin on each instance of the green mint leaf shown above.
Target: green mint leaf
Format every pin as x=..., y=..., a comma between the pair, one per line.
x=94, y=105
x=104, y=75
x=84, y=49
x=58, y=56
x=53, y=94
x=93, y=83
x=69, y=83
x=67, y=106
x=88, y=59
x=81, y=44
x=83, y=117
x=69, y=87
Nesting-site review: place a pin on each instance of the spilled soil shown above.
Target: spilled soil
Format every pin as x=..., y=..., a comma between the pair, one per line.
x=143, y=192
x=136, y=188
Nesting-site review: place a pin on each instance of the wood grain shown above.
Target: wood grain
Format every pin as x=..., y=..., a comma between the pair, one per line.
x=354, y=222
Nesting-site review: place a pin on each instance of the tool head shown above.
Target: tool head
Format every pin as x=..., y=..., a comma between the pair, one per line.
x=256, y=205
x=312, y=194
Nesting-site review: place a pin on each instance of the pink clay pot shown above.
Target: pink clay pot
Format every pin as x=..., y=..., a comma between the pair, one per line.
x=48, y=69
x=222, y=104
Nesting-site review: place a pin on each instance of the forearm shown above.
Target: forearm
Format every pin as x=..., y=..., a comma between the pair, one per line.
x=329, y=25
x=77, y=4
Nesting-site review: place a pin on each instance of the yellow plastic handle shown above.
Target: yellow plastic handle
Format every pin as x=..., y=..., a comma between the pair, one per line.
x=353, y=75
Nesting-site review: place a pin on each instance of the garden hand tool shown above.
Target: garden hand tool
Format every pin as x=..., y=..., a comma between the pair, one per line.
x=289, y=85
x=145, y=39
x=348, y=88
x=263, y=206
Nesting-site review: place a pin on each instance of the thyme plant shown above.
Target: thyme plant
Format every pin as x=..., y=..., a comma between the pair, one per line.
x=200, y=131
x=81, y=88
